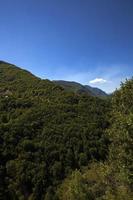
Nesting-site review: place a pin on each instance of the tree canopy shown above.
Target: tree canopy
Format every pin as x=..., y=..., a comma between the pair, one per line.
x=53, y=141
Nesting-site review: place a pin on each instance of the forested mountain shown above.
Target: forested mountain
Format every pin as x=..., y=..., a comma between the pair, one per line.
x=56, y=144
x=78, y=88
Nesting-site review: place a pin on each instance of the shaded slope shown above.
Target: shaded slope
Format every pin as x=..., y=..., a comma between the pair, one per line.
x=96, y=91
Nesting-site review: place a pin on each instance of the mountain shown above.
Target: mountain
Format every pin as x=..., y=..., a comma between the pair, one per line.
x=46, y=132
x=79, y=88
x=63, y=142
x=12, y=74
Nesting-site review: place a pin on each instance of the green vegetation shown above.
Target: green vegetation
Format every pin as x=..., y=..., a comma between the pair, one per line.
x=59, y=145
x=113, y=178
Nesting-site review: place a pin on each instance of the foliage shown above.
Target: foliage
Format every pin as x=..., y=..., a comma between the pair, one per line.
x=97, y=182
x=58, y=145
x=112, y=179
x=45, y=134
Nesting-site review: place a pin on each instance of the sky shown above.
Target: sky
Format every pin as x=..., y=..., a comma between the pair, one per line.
x=88, y=41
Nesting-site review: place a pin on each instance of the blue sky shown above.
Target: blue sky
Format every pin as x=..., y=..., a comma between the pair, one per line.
x=88, y=41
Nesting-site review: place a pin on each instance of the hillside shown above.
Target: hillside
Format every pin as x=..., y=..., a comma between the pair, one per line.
x=45, y=133
x=96, y=91
x=20, y=81
x=81, y=89
x=58, y=144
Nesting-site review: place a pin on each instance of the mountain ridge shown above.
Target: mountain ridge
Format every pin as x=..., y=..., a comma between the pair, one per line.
x=79, y=88
x=13, y=73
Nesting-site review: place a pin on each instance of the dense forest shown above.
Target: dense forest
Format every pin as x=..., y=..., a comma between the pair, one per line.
x=60, y=145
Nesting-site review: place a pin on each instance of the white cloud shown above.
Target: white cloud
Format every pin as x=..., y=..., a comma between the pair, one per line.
x=98, y=81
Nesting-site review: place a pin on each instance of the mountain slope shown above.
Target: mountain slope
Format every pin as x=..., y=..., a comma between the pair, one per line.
x=73, y=87
x=96, y=91
x=19, y=82
x=45, y=133
x=79, y=88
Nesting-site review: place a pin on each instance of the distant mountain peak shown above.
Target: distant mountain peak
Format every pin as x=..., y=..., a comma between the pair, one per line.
x=79, y=88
